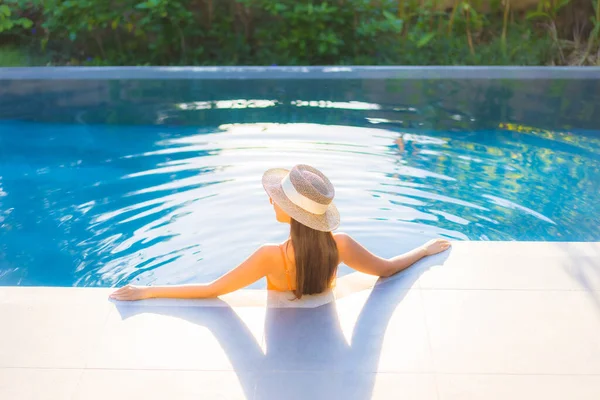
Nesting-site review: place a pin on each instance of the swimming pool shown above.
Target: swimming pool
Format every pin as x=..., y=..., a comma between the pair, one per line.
x=106, y=181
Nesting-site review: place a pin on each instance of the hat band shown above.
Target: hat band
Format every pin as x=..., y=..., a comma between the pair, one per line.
x=302, y=201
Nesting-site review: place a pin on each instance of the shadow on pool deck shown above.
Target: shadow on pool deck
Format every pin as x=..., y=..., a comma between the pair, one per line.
x=585, y=270
x=303, y=343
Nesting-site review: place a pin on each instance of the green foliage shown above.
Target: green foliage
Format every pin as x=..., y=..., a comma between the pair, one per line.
x=595, y=19
x=317, y=32
x=548, y=9
x=10, y=18
x=118, y=31
x=289, y=32
x=14, y=57
x=10, y=57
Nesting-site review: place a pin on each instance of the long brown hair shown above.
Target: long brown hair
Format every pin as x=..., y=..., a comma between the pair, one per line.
x=316, y=257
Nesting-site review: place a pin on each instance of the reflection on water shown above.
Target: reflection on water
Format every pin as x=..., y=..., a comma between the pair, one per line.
x=103, y=205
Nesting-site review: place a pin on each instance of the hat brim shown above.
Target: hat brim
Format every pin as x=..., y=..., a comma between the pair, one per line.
x=326, y=222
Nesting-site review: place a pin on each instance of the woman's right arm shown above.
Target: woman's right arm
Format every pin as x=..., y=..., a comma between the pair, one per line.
x=354, y=255
x=252, y=269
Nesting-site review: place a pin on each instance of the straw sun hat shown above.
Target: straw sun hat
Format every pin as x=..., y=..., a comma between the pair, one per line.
x=305, y=194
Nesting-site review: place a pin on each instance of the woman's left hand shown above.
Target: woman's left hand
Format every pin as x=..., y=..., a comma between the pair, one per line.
x=435, y=246
x=130, y=292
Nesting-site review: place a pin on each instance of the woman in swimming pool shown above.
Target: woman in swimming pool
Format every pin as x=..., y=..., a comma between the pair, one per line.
x=307, y=262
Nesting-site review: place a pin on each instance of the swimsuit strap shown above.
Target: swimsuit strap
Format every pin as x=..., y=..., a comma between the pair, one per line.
x=285, y=266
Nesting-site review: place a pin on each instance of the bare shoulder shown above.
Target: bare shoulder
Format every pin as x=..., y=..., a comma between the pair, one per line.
x=342, y=240
x=268, y=255
x=268, y=251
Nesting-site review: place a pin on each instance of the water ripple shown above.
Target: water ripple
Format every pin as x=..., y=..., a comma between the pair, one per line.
x=110, y=205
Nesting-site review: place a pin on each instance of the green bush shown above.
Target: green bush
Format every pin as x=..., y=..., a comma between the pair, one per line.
x=294, y=32
x=222, y=32
x=10, y=17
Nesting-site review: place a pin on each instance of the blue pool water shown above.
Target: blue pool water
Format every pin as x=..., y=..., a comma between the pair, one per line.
x=101, y=205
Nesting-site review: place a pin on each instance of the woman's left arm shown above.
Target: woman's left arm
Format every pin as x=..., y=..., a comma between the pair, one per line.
x=252, y=269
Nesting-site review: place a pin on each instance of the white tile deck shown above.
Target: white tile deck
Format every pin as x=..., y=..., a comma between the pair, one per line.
x=488, y=320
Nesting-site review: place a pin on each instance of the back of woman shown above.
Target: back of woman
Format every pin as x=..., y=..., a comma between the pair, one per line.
x=309, y=261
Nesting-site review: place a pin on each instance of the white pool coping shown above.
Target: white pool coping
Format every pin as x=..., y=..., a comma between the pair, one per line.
x=488, y=320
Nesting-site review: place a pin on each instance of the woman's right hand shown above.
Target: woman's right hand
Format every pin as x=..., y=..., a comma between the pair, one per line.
x=435, y=246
